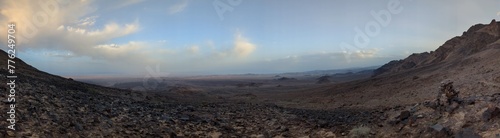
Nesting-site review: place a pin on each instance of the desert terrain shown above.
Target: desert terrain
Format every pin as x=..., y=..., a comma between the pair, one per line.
x=453, y=91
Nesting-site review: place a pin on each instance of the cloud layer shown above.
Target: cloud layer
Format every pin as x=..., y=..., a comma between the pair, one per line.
x=72, y=30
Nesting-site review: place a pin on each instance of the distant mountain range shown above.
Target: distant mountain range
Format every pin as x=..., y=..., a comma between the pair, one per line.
x=333, y=71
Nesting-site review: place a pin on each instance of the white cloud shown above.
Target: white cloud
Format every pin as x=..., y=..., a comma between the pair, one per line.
x=61, y=27
x=65, y=54
x=365, y=53
x=178, y=7
x=72, y=29
x=89, y=21
x=498, y=13
x=194, y=49
x=126, y=3
x=114, y=30
x=242, y=47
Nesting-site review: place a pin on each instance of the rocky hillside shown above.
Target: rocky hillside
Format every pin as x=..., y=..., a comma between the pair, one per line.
x=477, y=38
x=450, y=92
x=470, y=60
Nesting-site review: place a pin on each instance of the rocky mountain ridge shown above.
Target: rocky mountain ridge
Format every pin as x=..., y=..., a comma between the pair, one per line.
x=477, y=38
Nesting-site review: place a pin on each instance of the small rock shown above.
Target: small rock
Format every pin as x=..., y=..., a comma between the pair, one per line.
x=467, y=133
x=282, y=129
x=420, y=116
x=440, y=131
x=404, y=115
x=11, y=133
x=215, y=134
x=490, y=113
x=257, y=136
x=437, y=127
x=380, y=125
x=330, y=135
x=184, y=118
x=322, y=123
x=382, y=117
x=78, y=127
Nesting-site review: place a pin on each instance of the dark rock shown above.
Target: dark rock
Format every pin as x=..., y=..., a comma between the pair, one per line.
x=467, y=133
x=404, y=115
x=439, y=131
x=437, y=127
x=490, y=113
x=184, y=118
x=322, y=123
x=78, y=127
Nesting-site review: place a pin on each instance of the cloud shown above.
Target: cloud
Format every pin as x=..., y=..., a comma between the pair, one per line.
x=178, y=7
x=498, y=13
x=89, y=21
x=65, y=55
x=194, y=49
x=70, y=30
x=114, y=30
x=126, y=3
x=242, y=47
x=365, y=53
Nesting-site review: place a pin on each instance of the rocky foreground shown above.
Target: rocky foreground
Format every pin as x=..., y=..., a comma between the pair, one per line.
x=54, y=111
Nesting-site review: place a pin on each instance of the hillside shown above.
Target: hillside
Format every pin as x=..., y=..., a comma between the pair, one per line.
x=470, y=60
x=476, y=39
x=453, y=91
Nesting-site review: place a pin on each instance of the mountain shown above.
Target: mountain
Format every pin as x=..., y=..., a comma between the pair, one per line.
x=470, y=60
x=330, y=72
x=476, y=39
x=453, y=91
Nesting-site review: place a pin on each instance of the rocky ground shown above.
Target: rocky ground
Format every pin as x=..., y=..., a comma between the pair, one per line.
x=45, y=110
x=54, y=111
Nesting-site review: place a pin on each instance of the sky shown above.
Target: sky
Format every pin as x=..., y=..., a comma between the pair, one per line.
x=202, y=37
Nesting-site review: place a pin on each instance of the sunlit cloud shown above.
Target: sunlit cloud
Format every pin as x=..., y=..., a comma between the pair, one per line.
x=242, y=47
x=72, y=29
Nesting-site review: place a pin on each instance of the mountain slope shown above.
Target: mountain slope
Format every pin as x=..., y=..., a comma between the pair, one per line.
x=476, y=39
x=451, y=92
x=470, y=60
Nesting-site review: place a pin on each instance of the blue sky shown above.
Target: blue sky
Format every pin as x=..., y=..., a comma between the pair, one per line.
x=188, y=37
